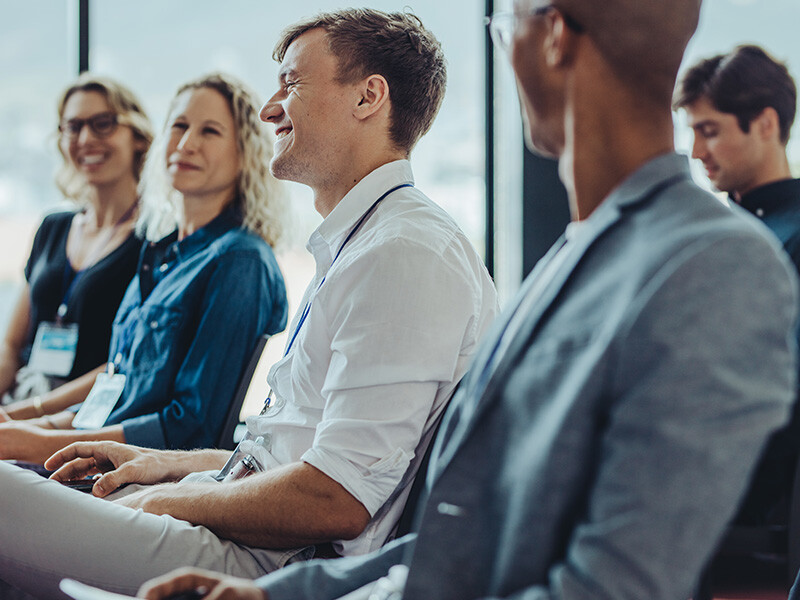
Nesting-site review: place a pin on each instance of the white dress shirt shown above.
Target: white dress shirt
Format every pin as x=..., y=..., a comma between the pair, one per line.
x=387, y=337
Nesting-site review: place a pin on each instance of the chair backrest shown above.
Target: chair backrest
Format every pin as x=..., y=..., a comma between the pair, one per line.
x=407, y=517
x=406, y=520
x=225, y=440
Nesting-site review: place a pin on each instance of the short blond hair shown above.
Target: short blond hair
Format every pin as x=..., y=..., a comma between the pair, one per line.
x=260, y=197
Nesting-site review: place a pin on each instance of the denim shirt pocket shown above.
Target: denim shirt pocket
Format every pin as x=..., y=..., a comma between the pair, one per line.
x=154, y=336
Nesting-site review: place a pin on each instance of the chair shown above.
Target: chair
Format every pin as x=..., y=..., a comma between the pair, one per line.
x=226, y=439
x=406, y=520
x=407, y=517
x=778, y=543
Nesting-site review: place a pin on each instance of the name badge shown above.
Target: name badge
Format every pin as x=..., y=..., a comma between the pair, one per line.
x=53, y=351
x=101, y=400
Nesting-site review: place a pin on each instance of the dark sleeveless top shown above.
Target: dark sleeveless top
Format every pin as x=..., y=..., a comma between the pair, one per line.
x=94, y=298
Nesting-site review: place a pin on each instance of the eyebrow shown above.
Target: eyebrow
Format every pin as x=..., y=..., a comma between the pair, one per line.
x=704, y=123
x=214, y=123
x=206, y=122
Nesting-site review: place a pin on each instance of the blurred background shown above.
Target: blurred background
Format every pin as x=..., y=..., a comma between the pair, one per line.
x=472, y=162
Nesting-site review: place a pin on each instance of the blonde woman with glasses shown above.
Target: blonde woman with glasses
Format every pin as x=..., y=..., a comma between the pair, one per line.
x=83, y=259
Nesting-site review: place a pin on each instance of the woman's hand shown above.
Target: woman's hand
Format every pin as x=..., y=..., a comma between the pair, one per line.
x=26, y=442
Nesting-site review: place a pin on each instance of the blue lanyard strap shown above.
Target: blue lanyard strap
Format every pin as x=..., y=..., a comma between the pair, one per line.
x=353, y=231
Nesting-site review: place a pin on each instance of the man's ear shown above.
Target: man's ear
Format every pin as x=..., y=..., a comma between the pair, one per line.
x=560, y=41
x=373, y=93
x=768, y=124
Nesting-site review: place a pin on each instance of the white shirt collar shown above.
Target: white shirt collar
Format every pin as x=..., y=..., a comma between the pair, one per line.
x=335, y=227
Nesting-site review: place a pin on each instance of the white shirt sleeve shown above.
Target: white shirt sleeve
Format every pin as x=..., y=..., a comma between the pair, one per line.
x=398, y=316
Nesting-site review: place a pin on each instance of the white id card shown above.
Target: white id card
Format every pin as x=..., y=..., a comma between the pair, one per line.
x=53, y=351
x=80, y=591
x=100, y=402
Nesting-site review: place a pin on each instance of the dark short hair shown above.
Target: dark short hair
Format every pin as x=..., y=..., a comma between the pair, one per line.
x=743, y=83
x=394, y=45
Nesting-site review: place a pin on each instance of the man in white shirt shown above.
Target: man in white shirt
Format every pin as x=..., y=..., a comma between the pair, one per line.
x=386, y=330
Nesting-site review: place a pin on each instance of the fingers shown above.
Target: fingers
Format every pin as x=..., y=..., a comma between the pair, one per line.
x=215, y=586
x=181, y=580
x=99, y=451
x=130, y=472
x=4, y=416
x=76, y=469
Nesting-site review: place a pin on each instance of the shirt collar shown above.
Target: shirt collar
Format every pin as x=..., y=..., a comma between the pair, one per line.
x=335, y=227
x=768, y=198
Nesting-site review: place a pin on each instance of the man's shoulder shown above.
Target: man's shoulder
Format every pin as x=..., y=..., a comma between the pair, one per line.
x=416, y=219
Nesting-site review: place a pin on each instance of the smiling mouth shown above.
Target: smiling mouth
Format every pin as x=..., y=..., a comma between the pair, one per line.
x=283, y=132
x=92, y=159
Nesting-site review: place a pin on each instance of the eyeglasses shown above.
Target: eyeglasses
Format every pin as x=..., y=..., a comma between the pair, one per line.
x=502, y=25
x=101, y=125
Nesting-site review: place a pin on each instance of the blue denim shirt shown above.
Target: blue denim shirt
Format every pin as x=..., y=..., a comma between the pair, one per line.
x=186, y=328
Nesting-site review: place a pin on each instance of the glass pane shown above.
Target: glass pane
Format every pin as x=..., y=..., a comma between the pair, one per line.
x=154, y=46
x=34, y=67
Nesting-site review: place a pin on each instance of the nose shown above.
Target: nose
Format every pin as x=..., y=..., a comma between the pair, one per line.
x=699, y=149
x=272, y=110
x=188, y=141
x=85, y=134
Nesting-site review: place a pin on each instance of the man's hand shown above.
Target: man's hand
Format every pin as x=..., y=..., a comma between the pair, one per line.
x=119, y=464
x=4, y=416
x=216, y=586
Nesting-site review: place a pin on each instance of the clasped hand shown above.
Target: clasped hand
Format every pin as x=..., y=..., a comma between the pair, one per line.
x=20, y=440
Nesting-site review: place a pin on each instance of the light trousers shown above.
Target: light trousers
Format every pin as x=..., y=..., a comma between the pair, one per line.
x=49, y=531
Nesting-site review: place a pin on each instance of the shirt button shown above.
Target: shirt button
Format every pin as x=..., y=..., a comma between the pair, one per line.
x=760, y=212
x=145, y=267
x=153, y=324
x=451, y=510
x=163, y=267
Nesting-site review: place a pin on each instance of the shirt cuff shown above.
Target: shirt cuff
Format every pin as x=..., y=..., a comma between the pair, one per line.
x=371, y=485
x=144, y=431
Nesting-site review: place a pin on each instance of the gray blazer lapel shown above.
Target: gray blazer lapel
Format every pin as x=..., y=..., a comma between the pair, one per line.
x=522, y=336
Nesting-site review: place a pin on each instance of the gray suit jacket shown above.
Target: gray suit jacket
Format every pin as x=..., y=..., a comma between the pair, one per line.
x=601, y=453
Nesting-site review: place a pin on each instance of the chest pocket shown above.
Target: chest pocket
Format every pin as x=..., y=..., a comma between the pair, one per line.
x=155, y=329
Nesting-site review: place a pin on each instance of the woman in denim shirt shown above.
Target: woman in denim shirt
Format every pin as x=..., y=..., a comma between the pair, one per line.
x=206, y=288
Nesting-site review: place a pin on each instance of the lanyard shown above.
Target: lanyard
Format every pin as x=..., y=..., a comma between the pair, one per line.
x=71, y=277
x=268, y=402
x=353, y=231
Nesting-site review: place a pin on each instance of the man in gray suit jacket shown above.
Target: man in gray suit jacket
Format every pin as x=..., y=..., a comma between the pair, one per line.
x=609, y=425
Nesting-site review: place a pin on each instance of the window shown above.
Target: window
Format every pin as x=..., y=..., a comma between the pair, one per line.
x=34, y=41
x=725, y=24
x=154, y=47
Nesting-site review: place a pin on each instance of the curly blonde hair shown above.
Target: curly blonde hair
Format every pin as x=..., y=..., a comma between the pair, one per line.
x=127, y=107
x=259, y=196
